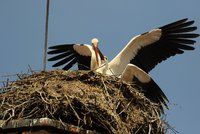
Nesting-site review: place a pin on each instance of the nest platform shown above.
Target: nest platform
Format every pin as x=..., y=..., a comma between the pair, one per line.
x=89, y=101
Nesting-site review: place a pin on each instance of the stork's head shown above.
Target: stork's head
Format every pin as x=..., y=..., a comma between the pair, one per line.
x=95, y=43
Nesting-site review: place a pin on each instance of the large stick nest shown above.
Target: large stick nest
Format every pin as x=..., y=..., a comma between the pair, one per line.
x=90, y=101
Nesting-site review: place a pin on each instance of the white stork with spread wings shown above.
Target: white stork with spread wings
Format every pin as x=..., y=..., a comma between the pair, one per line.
x=139, y=56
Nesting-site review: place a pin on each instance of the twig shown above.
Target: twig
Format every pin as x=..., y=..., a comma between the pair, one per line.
x=79, y=119
x=171, y=128
x=30, y=69
x=62, y=122
x=149, y=132
x=43, y=97
x=3, y=101
x=106, y=90
x=138, y=129
x=126, y=107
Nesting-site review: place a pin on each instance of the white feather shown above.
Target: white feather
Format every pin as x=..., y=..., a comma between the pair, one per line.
x=84, y=50
x=119, y=63
x=132, y=71
x=87, y=50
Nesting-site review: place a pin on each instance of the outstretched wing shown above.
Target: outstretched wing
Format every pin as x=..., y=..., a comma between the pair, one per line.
x=175, y=38
x=145, y=84
x=70, y=54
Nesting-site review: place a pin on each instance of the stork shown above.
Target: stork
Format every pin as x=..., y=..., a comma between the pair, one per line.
x=88, y=57
x=145, y=51
x=141, y=54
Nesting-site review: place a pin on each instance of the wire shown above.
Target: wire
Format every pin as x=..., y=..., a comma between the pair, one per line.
x=46, y=35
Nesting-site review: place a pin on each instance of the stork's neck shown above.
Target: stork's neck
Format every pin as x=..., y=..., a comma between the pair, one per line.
x=96, y=54
x=95, y=61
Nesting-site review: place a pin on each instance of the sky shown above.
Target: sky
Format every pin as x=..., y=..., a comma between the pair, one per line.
x=114, y=23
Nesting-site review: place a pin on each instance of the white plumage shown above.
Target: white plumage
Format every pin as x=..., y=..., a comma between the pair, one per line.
x=118, y=64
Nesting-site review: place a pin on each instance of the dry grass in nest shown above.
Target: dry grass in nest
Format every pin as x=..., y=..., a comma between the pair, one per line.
x=90, y=101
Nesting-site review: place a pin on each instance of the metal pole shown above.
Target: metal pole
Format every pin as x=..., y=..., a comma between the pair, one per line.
x=46, y=36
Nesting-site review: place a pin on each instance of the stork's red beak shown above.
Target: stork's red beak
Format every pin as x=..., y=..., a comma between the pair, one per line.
x=96, y=53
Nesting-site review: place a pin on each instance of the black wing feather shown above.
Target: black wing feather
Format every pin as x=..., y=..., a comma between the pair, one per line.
x=174, y=24
x=70, y=64
x=68, y=56
x=84, y=63
x=60, y=56
x=65, y=60
x=63, y=47
x=184, y=41
x=172, y=36
x=182, y=30
x=176, y=37
x=156, y=95
x=57, y=51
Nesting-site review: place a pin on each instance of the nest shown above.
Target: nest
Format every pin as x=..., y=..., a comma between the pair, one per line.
x=84, y=99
